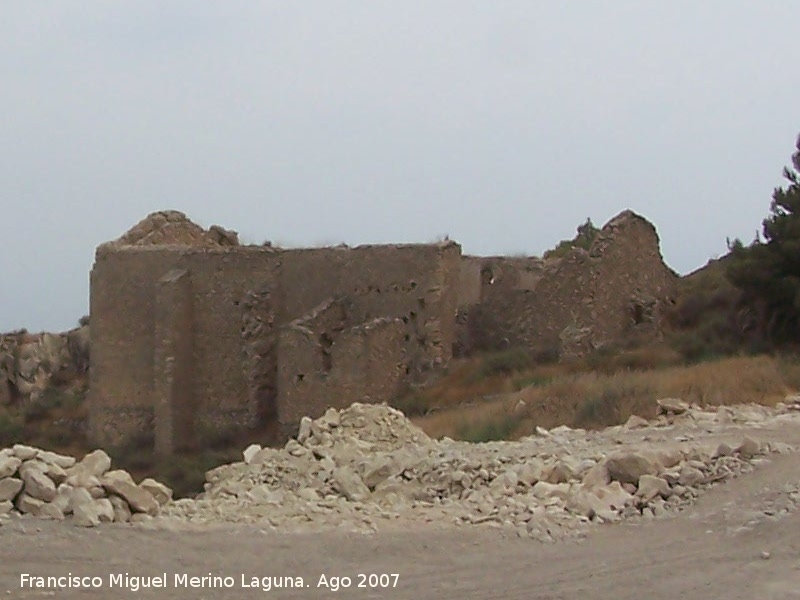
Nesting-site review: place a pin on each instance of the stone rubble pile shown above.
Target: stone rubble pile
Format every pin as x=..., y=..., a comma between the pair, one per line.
x=366, y=464
x=44, y=484
x=28, y=361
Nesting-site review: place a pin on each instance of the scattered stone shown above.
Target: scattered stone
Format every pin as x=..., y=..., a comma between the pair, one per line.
x=9, y=465
x=77, y=498
x=28, y=504
x=38, y=485
x=304, y=430
x=350, y=484
x=140, y=500
x=671, y=406
x=25, y=452
x=651, y=486
x=9, y=488
x=96, y=463
x=722, y=450
x=690, y=476
x=636, y=422
x=105, y=510
x=86, y=515
x=628, y=467
x=6, y=506
x=122, y=512
x=749, y=448
x=158, y=490
x=59, y=460
x=251, y=452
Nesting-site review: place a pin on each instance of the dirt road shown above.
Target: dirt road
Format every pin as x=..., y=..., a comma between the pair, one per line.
x=733, y=543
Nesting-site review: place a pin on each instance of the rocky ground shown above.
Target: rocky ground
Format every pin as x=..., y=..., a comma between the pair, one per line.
x=704, y=503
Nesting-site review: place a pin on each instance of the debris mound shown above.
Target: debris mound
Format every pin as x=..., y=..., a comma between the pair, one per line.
x=47, y=485
x=368, y=464
x=174, y=228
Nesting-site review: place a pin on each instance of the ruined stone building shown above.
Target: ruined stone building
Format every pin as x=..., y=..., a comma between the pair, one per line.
x=194, y=334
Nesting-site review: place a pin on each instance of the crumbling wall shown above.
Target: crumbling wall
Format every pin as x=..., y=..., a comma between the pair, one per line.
x=123, y=312
x=582, y=300
x=230, y=332
x=173, y=228
x=503, y=282
x=234, y=308
x=411, y=282
x=363, y=363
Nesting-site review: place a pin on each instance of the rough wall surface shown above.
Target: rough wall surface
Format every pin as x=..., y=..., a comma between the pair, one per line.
x=190, y=334
x=364, y=363
x=581, y=301
x=195, y=335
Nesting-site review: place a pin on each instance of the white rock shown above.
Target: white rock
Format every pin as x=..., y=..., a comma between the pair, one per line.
x=635, y=422
x=9, y=465
x=350, y=484
x=63, y=495
x=250, y=452
x=140, y=500
x=28, y=504
x=9, y=488
x=59, y=460
x=651, y=486
x=304, y=430
x=674, y=406
x=105, y=510
x=86, y=515
x=6, y=506
x=50, y=510
x=24, y=452
x=38, y=485
x=96, y=463
x=77, y=498
x=749, y=448
x=122, y=512
x=120, y=475
x=689, y=476
x=628, y=467
x=544, y=490
x=158, y=490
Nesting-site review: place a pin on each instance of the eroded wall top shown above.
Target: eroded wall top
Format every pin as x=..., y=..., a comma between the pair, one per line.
x=173, y=228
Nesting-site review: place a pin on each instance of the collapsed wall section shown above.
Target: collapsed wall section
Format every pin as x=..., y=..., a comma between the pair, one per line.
x=234, y=303
x=412, y=282
x=365, y=363
x=615, y=290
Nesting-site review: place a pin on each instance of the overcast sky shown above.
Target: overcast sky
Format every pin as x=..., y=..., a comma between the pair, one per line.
x=502, y=124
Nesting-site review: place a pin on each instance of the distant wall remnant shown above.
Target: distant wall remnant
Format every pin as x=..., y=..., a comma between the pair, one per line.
x=29, y=362
x=578, y=302
x=196, y=336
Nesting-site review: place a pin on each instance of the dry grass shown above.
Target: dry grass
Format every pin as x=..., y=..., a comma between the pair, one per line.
x=595, y=399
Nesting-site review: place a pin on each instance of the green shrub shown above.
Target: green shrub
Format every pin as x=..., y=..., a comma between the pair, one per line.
x=412, y=404
x=505, y=362
x=487, y=431
x=11, y=428
x=599, y=411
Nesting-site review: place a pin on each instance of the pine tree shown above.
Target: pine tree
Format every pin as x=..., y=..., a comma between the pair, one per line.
x=768, y=270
